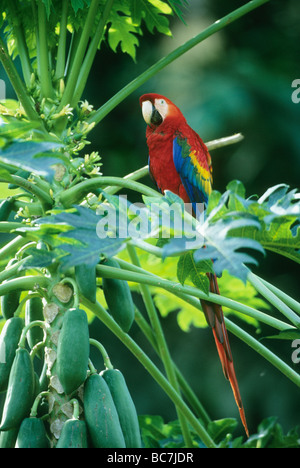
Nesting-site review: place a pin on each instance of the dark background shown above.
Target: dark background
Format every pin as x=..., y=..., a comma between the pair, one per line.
x=239, y=80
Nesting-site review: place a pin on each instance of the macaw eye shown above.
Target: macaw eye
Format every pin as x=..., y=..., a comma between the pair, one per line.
x=162, y=101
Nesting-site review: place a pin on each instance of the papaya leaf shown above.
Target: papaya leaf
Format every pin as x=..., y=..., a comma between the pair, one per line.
x=126, y=20
x=288, y=334
x=122, y=31
x=270, y=435
x=152, y=12
x=218, y=429
x=81, y=241
x=5, y=175
x=16, y=129
x=277, y=211
x=157, y=434
x=38, y=259
x=78, y=4
x=187, y=267
x=25, y=155
x=173, y=220
x=177, y=6
x=152, y=430
x=227, y=255
x=48, y=6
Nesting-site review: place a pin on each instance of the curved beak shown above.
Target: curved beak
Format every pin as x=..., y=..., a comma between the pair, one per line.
x=151, y=114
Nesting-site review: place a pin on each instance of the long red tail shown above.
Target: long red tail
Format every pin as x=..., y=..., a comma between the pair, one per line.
x=215, y=319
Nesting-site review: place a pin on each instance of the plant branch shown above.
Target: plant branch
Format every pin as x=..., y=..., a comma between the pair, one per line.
x=78, y=192
x=11, y=271
x=17, y=83
x=224, y=141
x=43, y=196
x=273, y=299
x=44, y=69
x=162, y=63
x=11, y=247
x=25, y=283
x=288, y=300
x=33, y=208
x=75, y=38
x=61, y=49
x=263, y=351
x=90, y=55
x=79, y=55
x=21, y=42
x=8, y=226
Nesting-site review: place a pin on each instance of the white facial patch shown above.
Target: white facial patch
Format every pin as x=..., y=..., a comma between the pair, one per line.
x=162, y=107
x=147, y=111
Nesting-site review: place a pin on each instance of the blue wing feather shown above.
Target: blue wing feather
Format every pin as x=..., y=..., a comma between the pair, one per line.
x=193, y=181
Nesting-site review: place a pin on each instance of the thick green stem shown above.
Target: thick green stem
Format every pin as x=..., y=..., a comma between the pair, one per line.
x=90, y=55
x=75, y=194
x=188, y=292
x=11, y=247
x=77, y=64
x=273, y=299
x=161, y=344
x=17, y=83
x=174, y=288
x=8, y=226
x=43, y=196
x=158, y=66
x=44, y=69
x=11, y=271
x=104, y=316
x=32, y=208
x=288, y=300
x=21, y=42
x=61, y=49
x=75, y=39
x=35, y=323
x=76, y=411
x=103, y=352
x=34, y=408
x=263, y=351
x=136, y=175
x=25, y=283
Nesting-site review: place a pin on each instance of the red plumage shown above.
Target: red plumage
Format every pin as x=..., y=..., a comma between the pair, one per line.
x=180, y=162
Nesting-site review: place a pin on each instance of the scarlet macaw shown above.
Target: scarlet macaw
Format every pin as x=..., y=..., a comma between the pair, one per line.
x=180, y=162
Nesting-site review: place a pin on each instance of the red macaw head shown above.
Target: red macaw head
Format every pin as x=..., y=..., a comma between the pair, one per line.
x=158, y=109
